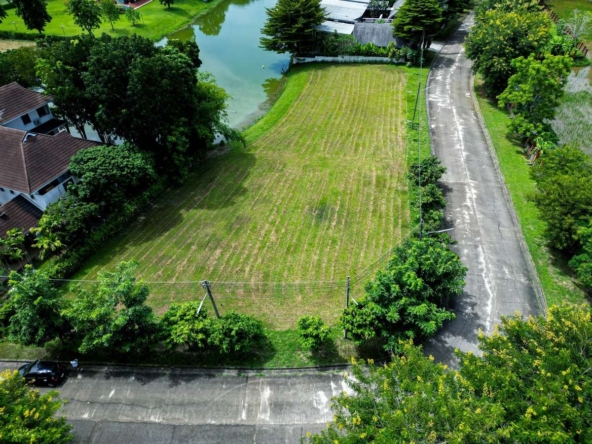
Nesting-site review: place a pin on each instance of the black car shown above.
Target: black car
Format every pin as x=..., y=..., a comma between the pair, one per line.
x=43, y=372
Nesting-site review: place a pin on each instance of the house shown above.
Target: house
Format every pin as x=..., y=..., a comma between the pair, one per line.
x=34, y=157
x=21, y=108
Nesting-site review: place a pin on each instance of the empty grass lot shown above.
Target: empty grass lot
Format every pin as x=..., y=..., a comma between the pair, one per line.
x=157, y=20
x=320, y=193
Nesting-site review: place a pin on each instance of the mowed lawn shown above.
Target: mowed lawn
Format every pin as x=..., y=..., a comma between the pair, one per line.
x=320, y=193
x=156, y=20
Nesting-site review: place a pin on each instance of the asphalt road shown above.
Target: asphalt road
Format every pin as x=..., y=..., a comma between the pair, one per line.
x=498, y=281
x=111, y=405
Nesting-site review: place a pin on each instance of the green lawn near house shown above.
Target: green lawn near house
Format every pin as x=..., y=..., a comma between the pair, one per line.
x=555, y=276
x=157, y=20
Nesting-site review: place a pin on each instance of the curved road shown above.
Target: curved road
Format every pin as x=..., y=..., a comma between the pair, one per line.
x=498, y=281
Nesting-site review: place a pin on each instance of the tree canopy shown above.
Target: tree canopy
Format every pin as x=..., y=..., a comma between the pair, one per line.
x=408, y=299
x=534, y=92
x=33, y=12
x=35, y=304
x=532, y=383
x=110, y=11
x=417, y=20
x=111, y=316
x=87, y=14
x=290, y=26
x=28, y=417
x=501, y=36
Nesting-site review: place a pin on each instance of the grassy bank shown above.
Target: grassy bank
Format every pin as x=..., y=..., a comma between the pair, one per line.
x=157, y=20
x=554, y=274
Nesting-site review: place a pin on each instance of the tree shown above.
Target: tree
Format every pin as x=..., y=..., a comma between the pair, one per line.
x=417, y=20
x=312, y=332
x=132, y=16
x=408, y=299
x=507, y=6
x=168, y=3
x=290, y=26
x=236, y=333
x=110, y=11
x=186, y=325
x=111, y=174
x=582, y=262
x=563, y=195
x=499, y=37
x=3, y=14
x=86, y=13
x=579, y=23
x=12, y=245
x=36, y=305
x=187, y=47
x=532, y=383
x=28, y=417
x=112, y=316
x=34, y=13
x=18, y=65
x=534, y=92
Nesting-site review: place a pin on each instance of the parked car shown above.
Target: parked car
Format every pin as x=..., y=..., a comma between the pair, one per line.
x=43, y=372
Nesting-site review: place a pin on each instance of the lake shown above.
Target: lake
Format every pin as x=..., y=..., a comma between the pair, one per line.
x=228, y=39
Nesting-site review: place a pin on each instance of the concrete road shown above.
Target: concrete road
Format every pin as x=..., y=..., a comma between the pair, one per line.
x=498, y=280
x=111, y=405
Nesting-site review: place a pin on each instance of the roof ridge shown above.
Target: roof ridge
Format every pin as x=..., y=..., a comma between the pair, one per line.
x=25, y=169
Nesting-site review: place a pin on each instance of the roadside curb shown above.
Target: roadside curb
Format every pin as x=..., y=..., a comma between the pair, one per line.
x=534, y=277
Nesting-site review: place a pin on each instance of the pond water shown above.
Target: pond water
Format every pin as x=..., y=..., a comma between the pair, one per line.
x=228, y=39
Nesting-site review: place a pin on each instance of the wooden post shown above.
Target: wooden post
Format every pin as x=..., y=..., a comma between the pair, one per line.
x=209, y=290
x=346, y=304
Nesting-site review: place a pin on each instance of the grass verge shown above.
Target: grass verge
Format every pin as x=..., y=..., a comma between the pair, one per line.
x=552, y=268
x=157, y=20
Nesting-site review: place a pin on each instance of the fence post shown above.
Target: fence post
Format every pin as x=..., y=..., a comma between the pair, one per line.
x=346, y=304
x=207, y=285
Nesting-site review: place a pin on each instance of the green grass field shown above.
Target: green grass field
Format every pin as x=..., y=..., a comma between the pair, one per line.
x=319, y=194
x=157, y=20
x=552, y=269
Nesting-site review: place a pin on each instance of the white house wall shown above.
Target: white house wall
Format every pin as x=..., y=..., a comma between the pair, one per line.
x=6, y=196
x=18, y=122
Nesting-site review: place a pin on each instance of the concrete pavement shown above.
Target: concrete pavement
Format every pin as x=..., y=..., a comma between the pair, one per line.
x=110, y=405
x=488, y=240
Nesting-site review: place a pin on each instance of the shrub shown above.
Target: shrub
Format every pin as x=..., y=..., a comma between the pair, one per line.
x=312, y=332
x=236, y=333
x=182, y=325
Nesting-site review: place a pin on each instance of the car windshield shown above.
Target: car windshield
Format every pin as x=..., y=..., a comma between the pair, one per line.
x=26, y=368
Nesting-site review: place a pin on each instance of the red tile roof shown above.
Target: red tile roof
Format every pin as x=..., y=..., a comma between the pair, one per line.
x=28, y=165
x=16, y=101
x=18, y=213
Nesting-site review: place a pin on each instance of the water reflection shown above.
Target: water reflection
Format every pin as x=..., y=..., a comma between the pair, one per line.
x=228, y=39
x=211, y=23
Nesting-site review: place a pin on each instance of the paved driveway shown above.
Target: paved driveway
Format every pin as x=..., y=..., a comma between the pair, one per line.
x=498, y=281
x=111, y=405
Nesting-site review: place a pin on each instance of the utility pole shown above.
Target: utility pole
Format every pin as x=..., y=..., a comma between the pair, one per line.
x=346, y=304
x=206, y=284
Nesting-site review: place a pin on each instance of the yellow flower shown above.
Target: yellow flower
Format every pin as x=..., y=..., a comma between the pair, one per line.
x=370, y=361
x=374, y=418
x=363, y=435
x=580, y=399
x=478, y=411
x=431, y=358
x=578, y=388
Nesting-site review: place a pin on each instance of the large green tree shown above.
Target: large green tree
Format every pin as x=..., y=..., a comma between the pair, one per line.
x=534, y=92
x=563, y=195
x=112, y=316
x=408, y=299
x=86, y=13
x=290, y=26
x=417, y=20
x=18, y=65
x=35, y=304
x=27, y=417
x=582, y=262
x=111, y=174
x=34, y=13
x=499, y=37
x=531, y=383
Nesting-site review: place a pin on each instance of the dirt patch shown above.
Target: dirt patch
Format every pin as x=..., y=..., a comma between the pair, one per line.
x=5, y=45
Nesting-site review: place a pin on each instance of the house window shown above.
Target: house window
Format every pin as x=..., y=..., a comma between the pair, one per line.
x=11, y=192
x=26, y=119
x=43, y=111
x=1, y=189
x=47, y=188
x=32, y=196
